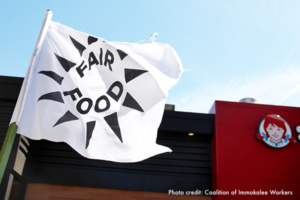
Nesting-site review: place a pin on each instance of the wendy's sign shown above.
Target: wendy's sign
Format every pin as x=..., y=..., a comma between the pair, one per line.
x=274, y=132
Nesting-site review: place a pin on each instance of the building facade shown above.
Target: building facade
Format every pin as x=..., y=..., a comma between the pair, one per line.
x=215, y=156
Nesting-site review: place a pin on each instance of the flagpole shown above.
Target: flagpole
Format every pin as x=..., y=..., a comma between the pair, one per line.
x=6, y=148
x=12, y=129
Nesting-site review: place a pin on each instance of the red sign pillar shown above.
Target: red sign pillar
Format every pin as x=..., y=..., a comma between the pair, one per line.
x=243, y=166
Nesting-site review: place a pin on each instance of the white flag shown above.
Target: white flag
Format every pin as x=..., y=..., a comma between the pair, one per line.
x=105, y=99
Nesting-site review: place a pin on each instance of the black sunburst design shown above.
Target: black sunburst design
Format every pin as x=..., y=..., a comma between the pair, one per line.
x=112, y=119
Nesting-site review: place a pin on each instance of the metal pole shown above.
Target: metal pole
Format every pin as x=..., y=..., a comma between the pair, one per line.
x=6, y=148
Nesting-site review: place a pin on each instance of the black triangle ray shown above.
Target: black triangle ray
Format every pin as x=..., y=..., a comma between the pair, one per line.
x=68, y=116
x=131, y=74
x=54, y=96
x=78, y=46
x=130, y=102
x=122, y=54
x=53, y=75
x=112, y=121
x=66, y=64
x=89, y=132
x=92, y=39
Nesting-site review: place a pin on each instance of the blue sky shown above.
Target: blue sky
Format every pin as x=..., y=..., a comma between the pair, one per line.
x=229, y=49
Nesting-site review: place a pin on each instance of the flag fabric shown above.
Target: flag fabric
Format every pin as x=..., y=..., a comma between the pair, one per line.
x=105, y=99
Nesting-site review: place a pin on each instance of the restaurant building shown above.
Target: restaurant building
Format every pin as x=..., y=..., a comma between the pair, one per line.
x=230, y=153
